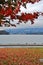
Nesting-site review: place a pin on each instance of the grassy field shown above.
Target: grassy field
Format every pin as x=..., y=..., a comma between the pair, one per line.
x=21, y=56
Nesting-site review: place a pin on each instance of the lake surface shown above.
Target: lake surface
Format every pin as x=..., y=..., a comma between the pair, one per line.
x=21, y=39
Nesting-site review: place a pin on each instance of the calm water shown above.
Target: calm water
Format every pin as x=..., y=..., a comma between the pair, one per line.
x=21, y=39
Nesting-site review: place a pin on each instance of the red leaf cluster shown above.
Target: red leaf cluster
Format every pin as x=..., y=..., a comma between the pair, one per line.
x=8, y=11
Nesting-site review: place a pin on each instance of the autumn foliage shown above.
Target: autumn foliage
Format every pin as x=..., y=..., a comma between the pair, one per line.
x=12, y=8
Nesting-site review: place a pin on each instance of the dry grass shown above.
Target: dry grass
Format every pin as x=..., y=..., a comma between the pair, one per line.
x=21, y=56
